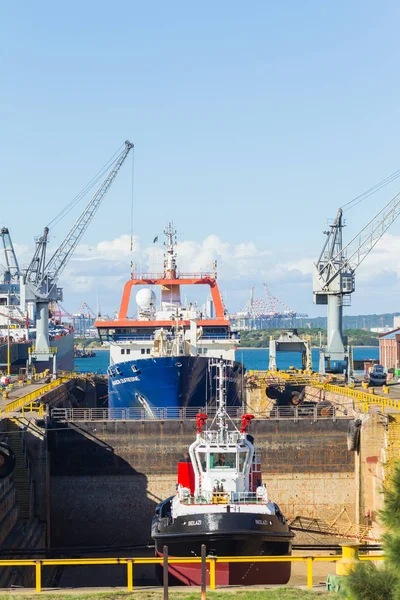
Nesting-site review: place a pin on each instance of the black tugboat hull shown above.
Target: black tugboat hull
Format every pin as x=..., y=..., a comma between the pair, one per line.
x=227, y=534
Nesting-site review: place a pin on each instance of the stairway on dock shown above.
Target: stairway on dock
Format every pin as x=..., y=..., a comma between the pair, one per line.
x=21, y=475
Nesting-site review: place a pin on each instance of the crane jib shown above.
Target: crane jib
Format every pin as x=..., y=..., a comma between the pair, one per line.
x=44, y=275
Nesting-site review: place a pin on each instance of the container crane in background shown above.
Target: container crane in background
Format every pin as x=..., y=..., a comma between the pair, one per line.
x=84, y=320
x=250, y=303
x=86, y=310
x=334, y=277
x=58, y=312
x=40, y=278
x=264, y=313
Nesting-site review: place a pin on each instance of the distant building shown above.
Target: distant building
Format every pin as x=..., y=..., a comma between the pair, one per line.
x=381, y=329
x=396, y=321
x=389, y=349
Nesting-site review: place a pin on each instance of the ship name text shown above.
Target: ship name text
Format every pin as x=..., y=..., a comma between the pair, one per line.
x=124, y=380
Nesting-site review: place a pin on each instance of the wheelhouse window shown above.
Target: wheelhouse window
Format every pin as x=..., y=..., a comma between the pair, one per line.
x=128, y=350
x=122, y=350
x=142, y=351
x=222, y=460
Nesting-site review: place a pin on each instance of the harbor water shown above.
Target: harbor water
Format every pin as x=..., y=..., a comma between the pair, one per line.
x=252, y=358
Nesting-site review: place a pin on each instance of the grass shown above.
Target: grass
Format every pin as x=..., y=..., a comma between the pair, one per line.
x=277, y=594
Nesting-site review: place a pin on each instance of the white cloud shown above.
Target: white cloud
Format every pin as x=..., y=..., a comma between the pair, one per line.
x=105, y=267
x=102, y=270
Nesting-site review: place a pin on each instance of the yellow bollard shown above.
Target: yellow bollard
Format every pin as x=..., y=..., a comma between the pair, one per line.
x=212, y=573
x=38, y=576
x=385, y=389
x=349, y=559
x=309, y=571
x=130, y=574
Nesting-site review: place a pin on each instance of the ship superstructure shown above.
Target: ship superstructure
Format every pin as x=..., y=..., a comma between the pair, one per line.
x=221, y=502
x=160, y=357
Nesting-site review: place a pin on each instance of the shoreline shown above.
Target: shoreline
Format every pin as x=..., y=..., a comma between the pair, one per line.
x=267, y=348
x=239, y=349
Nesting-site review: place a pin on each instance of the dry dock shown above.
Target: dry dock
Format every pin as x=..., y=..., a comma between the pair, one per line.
x=86, y=480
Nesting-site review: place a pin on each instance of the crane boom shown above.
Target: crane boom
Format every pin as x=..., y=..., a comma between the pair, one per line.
x=334, y=273
x=41, y=277
x=352, y=255
x=45, y=276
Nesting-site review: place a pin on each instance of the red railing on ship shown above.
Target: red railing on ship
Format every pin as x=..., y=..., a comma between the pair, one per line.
x=201, y=275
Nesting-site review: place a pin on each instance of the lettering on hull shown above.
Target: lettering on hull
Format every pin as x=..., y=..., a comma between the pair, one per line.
x=124, y=380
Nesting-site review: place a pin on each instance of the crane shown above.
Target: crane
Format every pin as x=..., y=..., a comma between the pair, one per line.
x=40, y=278
x=334, y=275
x=89, y=311
x=250, y=302
x=11, y=270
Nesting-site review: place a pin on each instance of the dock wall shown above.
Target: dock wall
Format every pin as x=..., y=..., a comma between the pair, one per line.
x=107, y=477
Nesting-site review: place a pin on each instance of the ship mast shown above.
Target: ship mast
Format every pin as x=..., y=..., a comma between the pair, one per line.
x=170, y=256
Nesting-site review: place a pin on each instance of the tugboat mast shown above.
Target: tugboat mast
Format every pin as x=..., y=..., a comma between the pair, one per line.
x=221, y=399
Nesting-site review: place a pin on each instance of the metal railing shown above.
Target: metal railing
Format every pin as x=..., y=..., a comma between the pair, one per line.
x=51, y=350
x=361, y=399
x=199, y=275
x=295, y=413
x=136, y=413
x=225, y=498
x=35, y=395
x=211, y=562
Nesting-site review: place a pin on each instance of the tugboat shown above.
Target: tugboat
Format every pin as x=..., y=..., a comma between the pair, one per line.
x=221, y=502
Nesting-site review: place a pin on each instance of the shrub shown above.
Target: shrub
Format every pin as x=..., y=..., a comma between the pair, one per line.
x=368, y=582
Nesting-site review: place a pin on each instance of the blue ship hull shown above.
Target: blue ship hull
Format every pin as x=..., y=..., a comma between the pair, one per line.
x=169, y=382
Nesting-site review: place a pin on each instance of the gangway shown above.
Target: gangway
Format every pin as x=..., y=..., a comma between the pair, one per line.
x=341, y=527
x=260, y=378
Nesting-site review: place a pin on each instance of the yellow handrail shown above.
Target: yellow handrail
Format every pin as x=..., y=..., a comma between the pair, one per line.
x=362, y=399
x=210, y=560
x=32, y=396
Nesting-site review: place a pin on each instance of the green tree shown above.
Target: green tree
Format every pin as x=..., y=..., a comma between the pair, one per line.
x=368, y=582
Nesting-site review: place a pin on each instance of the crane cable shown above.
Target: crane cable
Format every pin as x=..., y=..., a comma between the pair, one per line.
x=132, y=188
x=99, y=175
x=372, y=190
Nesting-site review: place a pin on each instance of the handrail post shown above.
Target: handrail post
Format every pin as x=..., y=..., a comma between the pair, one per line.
x=309, y=571
x=165, y=572
x=129, y=565
x=203, y=572
x=38, y=576
x=212, y=572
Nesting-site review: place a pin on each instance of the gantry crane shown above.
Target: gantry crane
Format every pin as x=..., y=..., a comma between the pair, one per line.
x=40, y=279
x=334, y=276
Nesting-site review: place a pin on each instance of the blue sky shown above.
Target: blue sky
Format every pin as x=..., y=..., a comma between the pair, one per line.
x=252, y=124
